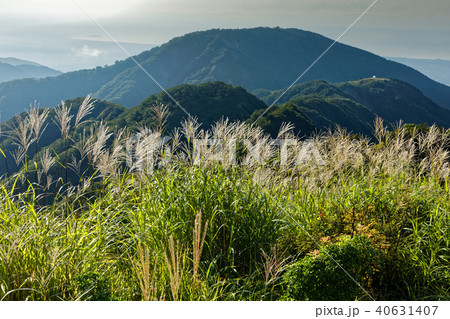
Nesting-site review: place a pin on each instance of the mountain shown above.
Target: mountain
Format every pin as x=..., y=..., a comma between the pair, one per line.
x=16, y=62
x=436, y=69
x=313, y=106
x=259, y=58
x=206, y=102
x=353, y=105
x=285, y=113
x=394, y=100
x=12, y=69
x=322, y=103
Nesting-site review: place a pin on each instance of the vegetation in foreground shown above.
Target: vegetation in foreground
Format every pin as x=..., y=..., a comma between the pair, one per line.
x=225, y=214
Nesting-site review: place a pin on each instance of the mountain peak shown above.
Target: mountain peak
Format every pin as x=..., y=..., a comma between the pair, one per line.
x=256, y=58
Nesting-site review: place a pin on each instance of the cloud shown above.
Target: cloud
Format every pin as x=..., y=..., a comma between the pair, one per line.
x=57, y=11
x=59, y=34
x=87, y=52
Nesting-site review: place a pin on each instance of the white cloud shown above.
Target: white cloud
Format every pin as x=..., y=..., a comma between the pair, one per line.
x=87, y=52
x=56, y=11
x=391, y=27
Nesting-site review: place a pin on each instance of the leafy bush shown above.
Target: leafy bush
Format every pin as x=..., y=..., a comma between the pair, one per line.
x=318, y=277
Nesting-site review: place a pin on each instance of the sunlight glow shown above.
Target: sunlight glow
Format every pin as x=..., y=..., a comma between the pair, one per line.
x=61, y=10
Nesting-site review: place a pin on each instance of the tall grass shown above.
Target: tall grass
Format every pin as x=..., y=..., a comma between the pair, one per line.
x=220, y=214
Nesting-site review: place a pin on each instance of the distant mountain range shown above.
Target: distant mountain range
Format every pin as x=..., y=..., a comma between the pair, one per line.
x=259, y=58
x=436, y=69
x=353, y=105
x=13, y=69
x=16, y=62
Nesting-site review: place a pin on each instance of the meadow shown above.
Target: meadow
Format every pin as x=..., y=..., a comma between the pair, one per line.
x=225, y=213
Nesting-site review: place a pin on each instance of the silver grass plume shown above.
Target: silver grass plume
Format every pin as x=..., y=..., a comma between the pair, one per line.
x=142, y=149
x=37, y=117
x=109, y=161
x=75, y=165
x=189, y=129
x=285, y=128
x=63, y=119
x=22, y=138
x=160, y=114
x=18, y=155
x=85, y=109
x=102, y=135
x=47, y=161
x=83, y=145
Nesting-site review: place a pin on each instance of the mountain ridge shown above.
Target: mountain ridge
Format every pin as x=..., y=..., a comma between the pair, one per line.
x=257, y=58
x=15, y=62
x=354, y=105
x=16, y=69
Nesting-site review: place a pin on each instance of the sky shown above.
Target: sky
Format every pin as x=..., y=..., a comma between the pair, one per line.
x=64, y=34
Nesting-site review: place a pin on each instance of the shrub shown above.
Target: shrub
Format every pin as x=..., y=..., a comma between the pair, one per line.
x=318, y=277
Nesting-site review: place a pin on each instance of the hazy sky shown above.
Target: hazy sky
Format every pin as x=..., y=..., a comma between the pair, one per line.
x=59, y=34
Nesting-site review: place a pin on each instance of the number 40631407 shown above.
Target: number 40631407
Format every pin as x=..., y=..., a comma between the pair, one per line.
x=407, y=310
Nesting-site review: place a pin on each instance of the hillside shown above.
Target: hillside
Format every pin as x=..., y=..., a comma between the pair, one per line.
x=286, y=113
x=246, y=220
x=394, y=100
x=259, y=58
x=207, y=102
x=311, y=107
x=355, y=105
x=13, y=69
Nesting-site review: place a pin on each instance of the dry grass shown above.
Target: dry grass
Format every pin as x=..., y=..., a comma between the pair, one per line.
x=274, y=265
x=147, y=277
x=173, y=263
x=199, y=236
x=227, y=182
